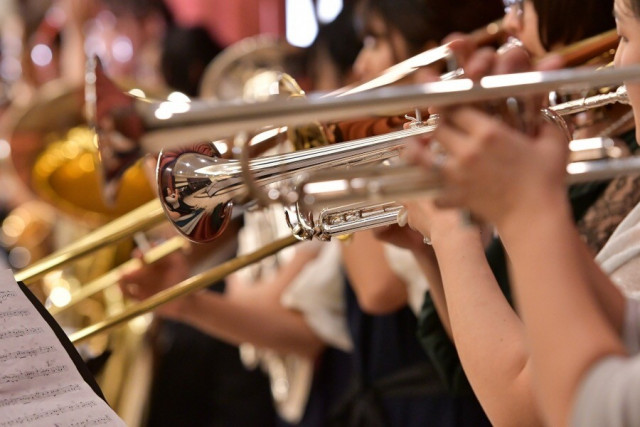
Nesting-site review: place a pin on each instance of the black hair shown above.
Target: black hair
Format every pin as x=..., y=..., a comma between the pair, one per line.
x=567, y=21
x=340, y=39
x=186, y=52
x=423, y=21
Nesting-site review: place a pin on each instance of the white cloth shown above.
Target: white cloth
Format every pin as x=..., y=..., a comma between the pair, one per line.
x=405, y=266
x=620, y=256
x=610, y=391
x=317, y=292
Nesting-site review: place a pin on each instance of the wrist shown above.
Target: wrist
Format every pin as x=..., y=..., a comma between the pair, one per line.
x=547, y=206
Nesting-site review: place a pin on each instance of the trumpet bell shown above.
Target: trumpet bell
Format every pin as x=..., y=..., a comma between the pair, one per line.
x=54, y=154
x=189, y=200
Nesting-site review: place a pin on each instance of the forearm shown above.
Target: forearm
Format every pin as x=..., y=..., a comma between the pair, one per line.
x=264, y=325
x=487, y=332
x=378, y=289
x=566, y=326
x=429, y=267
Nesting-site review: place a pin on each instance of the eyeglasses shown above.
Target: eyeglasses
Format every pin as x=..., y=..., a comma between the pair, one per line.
x=517, y=5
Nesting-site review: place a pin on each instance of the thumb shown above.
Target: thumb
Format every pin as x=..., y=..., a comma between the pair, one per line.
x=552, y=139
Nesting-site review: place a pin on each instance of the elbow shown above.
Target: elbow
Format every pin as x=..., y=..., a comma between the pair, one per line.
x=379, y=302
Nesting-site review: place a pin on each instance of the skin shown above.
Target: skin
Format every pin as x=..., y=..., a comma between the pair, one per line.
x=383, y=46
x=511, y=179
x=525, y=28
x=242, y=314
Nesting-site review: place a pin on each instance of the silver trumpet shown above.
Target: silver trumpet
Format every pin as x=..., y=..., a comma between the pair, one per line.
x=556, y=113
x=590, y=159
x=127, y=126
x=199, y=190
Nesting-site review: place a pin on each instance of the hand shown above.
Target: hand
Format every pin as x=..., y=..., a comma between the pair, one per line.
x=153, y=278
x=495, y=170
x=402, y=237
x=432, y=223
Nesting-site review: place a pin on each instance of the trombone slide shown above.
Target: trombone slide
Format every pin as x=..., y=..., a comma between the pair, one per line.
x=103, y=282
x=185, y=287
x=139, y=219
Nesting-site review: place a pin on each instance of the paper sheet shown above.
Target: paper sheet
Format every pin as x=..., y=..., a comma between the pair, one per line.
x=39, y=383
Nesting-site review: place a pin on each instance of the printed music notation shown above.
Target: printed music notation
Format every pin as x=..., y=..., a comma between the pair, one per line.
x=39, y=383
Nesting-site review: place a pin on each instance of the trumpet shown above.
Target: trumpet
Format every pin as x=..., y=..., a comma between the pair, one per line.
x=364, y=198
x=199, y=191
x=408, y=180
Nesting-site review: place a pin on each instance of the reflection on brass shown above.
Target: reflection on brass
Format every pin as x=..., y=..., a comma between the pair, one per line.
x=55, y=155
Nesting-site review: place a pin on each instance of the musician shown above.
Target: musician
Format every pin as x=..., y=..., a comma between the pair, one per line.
x=394, y=384
x=507, y=397
x=590, y=202
x=580, y=331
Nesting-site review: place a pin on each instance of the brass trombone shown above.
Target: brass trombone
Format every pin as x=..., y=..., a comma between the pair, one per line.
x=359, y=184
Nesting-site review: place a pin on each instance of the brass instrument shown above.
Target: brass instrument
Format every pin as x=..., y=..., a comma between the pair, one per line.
x=192, y=284
x=202, y=188
x=590, y=160
x=138, y=219
x=111, y=277
x=411, y=180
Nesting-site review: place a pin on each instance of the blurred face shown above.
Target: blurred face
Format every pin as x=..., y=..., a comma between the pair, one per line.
x=628, y=52
x=382, y=47
x=521, y=21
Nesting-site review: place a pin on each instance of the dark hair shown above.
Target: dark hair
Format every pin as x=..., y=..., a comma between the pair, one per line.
x=422, y=21
x=340, y=39
x=186, y=52
x=568, y=21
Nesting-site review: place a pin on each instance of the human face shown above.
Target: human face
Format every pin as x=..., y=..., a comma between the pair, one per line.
x=628, y=52
x=382, y=47
x=521, y=21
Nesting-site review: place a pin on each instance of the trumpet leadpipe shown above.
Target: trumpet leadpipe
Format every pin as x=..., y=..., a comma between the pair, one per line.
x=592, y=159
x=579, y=105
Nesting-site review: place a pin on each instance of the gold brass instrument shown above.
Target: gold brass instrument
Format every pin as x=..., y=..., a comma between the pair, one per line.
x=411, y=179
x=138, y=219
x=111, y=277
x=54, y=154
x=192, y=284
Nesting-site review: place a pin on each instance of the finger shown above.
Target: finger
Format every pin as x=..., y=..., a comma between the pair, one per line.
x=469, y=120
x=461, y=45
x=449, y=197
x=514, y=60
x=451, y=140
x=480, y=64
x=550, y=62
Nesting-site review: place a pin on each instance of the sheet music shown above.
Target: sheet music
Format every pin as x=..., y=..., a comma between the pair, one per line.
x=39, y=383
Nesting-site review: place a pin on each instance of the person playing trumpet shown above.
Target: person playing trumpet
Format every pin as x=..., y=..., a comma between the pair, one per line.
x=572, y=315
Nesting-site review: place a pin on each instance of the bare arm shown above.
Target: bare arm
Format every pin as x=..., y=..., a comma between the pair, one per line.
x=571, y=311
x=254, y=315
x=378, y=289
x=570, y=326
x=488, y=334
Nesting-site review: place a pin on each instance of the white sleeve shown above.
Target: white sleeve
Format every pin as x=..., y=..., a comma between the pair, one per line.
x=318, y=293
x=620, y=256
x=609, y=394
x=631, y=327
x=405, y=266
